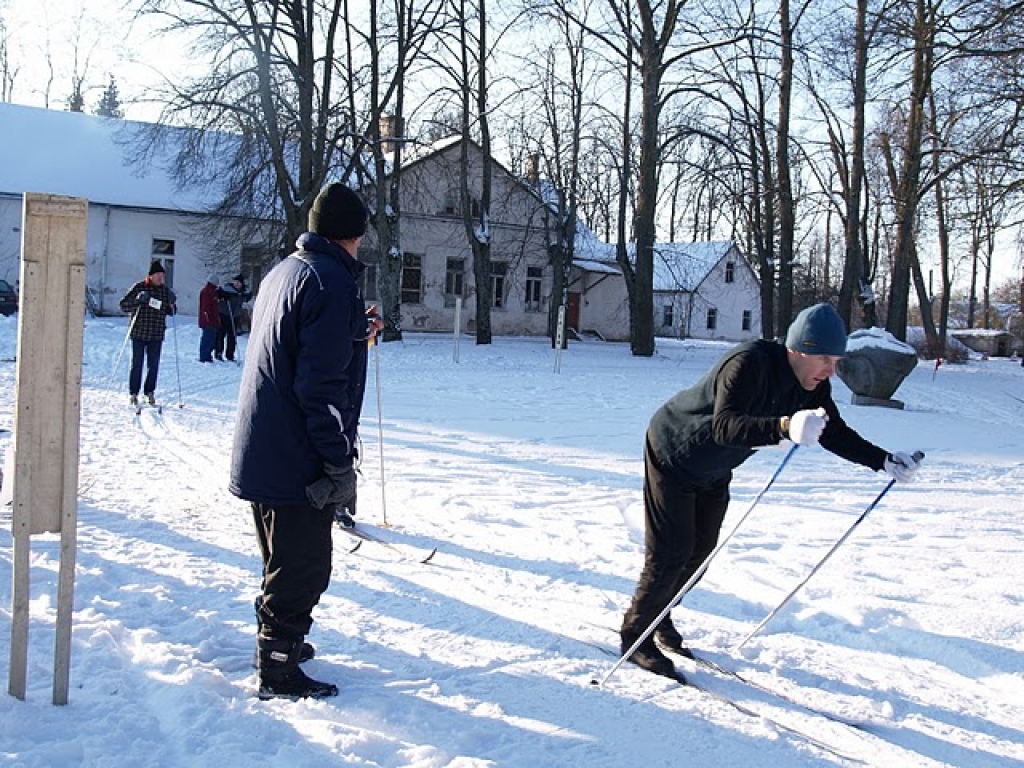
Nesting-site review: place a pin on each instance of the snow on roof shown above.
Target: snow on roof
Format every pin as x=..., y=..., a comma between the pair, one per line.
x=877, y=338
x=589, y=247
x=979, y=332
x=72, y=153
x=677, y=266
x=602, y=267
x=683, y=266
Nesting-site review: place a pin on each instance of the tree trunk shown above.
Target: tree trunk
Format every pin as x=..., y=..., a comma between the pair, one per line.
x=856, y=276
x=909, y=185
x=642, y=299
x=787, y=213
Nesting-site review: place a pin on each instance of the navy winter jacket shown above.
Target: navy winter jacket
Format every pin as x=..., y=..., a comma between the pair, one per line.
x=304, y=376
x=706, y=431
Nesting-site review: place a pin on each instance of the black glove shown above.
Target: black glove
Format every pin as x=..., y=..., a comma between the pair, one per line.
x=143, y=297
x=335, y=488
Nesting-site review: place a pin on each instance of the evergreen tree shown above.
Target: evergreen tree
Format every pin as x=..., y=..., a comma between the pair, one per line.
x=76, y=102
x=110, y=103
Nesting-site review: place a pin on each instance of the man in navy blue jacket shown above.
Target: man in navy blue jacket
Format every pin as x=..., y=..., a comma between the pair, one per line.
x=295, y=434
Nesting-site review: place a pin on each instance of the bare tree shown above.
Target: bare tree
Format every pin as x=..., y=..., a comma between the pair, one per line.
x=8, y=66
x=976, y=38
x=559, y=148
x=411, y=26
x=277, y=104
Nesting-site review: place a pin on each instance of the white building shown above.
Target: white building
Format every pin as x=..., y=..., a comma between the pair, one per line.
x=705, y=291
x=701, y=291
x=136, y=212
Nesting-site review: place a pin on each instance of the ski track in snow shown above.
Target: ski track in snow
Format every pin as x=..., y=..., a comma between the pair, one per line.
x=528, y=482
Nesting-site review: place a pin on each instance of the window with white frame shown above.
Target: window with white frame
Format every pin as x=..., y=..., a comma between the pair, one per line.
x=712, y=318
x=499, y=275
x=747, y=317
x=450, y=204
x=368, y=280
x=454, y=278
x=412, y=278
x=163, y=250
x=534, y=281
x=668, y=316
x=730, y=272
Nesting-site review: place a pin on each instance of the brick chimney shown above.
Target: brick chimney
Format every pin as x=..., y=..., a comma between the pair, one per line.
x=390, y=128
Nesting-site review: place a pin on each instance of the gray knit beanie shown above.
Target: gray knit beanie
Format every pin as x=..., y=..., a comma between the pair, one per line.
x=818, y=330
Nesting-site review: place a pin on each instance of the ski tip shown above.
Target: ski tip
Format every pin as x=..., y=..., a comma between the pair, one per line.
x=429, y=556
x=359, y=543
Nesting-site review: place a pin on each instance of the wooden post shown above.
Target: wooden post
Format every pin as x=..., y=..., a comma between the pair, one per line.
x=458, y=328
x=559, y=338
x=47, y=414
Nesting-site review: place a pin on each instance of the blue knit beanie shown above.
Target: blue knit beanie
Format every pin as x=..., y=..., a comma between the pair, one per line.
x=818, y=330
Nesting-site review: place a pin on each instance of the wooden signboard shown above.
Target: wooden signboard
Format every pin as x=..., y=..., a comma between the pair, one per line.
x=47, y=413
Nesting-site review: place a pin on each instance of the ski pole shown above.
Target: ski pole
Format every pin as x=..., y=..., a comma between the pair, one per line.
x=177, y=368
x=918, y=455
x=696, y=574
x=380, y=429
x=234, y=333
x=127, y=335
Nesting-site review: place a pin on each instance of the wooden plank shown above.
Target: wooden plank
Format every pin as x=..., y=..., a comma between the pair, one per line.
x=19, y=611
x=69, y=505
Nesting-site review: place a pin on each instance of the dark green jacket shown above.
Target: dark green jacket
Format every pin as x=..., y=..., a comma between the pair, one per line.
x=706, y=431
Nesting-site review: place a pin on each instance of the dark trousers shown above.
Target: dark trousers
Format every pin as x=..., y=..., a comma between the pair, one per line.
x=150, y=350
x=682, y=522
x=226, y=337
x=295, y=544
x=206, y=343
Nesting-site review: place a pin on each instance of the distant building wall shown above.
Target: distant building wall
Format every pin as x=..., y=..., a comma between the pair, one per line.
x=604, y=305
x=120, y=244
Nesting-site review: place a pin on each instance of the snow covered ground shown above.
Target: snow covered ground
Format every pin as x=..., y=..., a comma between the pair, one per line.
x=528, y=483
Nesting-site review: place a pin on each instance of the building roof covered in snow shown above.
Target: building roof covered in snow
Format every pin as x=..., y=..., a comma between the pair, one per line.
x=678, y=267
x=79, y=155
x=683, y=266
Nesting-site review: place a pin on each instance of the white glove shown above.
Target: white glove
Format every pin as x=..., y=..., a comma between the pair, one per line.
x=902, y=466
x=805, y=427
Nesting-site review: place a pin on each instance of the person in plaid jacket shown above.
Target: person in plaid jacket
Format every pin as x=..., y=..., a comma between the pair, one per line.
x=149, y=301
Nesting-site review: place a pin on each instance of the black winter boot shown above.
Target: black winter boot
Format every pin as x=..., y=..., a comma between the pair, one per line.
x=280, y=675
x=668, y=637
x=648, y=657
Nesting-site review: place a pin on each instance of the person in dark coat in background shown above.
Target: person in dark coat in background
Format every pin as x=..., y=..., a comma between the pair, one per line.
x=150, y=302
x=230, y=298
x=209, y=319
x=758, y=394
x=295, y=435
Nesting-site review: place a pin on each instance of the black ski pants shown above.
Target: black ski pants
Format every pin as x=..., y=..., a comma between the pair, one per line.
x=226, y=338
x=147, y=350
x=681, y=526
x=295, y=543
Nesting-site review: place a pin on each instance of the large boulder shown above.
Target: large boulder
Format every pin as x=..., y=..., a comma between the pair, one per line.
x=876, y=363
